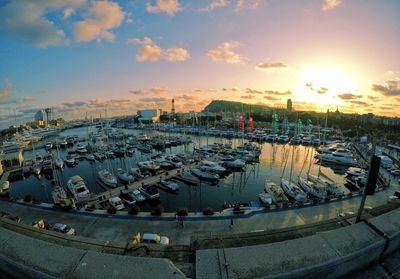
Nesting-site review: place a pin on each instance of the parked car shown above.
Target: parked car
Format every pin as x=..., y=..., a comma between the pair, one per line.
x=154, y=238
x=41, y=224
x=62, y=228
x=345, y=214
x=9, y=216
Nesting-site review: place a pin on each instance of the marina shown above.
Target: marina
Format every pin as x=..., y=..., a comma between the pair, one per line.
x=205, y=168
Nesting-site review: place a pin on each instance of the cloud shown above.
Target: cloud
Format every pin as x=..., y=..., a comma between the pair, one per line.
x=185, y=97
x=359, y=103
x=137, y=92
x=5, y=92
x=214, y=5
x=176, y=54
x=235, y=89
x=331, y=4
x=100, y=18
x=247, y=97
x=253, y=91
x=159, y=89
x=322, y=90
x=170, y=7
x=225, y=53
x=270, y=67
x=392, y=88
x=74, y=104
x=68, y=12
x=272, y=92
x=271, y=98
x=149, y=51
x=248, y=4
x=28, y=21
x=348, y=96
x=373, y=98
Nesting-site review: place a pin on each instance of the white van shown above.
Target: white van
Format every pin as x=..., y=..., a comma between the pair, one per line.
x=155, y=238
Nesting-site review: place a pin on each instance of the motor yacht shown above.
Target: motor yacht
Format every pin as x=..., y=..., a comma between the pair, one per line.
x=272, y=137
x=59, y=163
x=210, y=166
x=77, y=187
x=293, y=191
x=283, y=138
x=124, y=176
x=340, y=156
x=138, y=196
x=205, y=175
x=108, y=178
x=276, y=192
x=149, y=191
x=265, y=198
x=170, y=185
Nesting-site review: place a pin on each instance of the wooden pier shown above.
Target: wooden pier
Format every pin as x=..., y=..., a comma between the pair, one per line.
x=115, y=192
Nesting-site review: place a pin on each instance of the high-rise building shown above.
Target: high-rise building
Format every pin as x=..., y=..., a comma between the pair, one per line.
x=289, y=105
x=173, y=106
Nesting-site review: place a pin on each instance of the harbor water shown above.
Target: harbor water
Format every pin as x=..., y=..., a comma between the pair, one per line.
x=276, y=161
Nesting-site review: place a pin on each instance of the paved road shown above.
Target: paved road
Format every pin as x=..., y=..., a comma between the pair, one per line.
x=124, y=229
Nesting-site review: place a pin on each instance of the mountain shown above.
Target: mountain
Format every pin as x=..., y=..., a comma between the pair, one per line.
x=218, y=106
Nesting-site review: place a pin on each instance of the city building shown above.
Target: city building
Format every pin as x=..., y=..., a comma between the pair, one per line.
x=289, y=105
x=149, y=115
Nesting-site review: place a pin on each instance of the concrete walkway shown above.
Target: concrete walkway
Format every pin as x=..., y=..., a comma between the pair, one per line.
x=124, y=229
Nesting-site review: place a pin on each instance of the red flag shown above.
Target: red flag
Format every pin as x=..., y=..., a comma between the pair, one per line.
x=240, y=122
x=251, y=123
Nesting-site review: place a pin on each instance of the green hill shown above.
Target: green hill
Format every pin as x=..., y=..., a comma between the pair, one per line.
x=219, y=106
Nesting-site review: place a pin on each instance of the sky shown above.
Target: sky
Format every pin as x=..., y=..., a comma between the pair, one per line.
x=86, y=57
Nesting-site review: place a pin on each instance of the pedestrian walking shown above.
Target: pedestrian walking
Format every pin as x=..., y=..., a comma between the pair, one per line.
x=181, y=221
x=177, y=220
x=231, y=224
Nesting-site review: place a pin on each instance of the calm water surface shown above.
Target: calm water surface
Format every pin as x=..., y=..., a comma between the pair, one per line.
x=275, y=161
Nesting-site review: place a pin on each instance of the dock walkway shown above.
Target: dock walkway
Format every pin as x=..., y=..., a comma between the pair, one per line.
x=115, y=192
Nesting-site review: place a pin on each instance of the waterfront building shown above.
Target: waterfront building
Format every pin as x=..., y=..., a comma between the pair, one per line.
x=149, y=115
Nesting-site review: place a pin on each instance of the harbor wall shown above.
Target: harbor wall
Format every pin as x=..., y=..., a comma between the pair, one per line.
x=329, y=254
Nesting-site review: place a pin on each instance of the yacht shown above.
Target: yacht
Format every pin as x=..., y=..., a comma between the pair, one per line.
x=59, y=163
x=149, y=191
x=170, y=185
x=150, y=166
x=58, y=194
x=70, y=161
x=90, y=157
x=108, y=178
x=138, y=196
x=306, y=140
x=312, y=188
x=27, y=166
x=293, y=191
x=283, y=138
x=331, y=188
x=356, y=172
x=276, y=192
x=49, y=146
x=124, y=176
x=37, y=168
x=340, y=156
x=81, y=149
x=136, y=172
x=210, y=166
x=356, y=182
x=116, y=203
x=205, y=175
x=296, y=139
x=77, y=187
x=265, y=198
x=231, y=163
x=272, y=137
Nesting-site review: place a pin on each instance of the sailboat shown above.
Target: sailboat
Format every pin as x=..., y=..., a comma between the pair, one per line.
x=290, y=188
